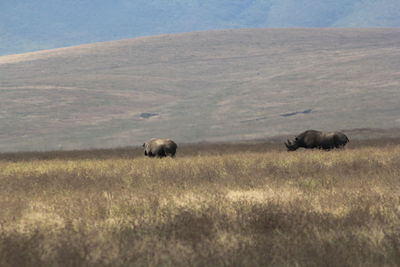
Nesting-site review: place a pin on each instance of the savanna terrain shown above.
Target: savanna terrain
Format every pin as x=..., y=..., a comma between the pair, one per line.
x=213, y=205
x=213, y=86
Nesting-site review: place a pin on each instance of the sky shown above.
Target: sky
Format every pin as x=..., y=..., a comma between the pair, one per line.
x=30, y=25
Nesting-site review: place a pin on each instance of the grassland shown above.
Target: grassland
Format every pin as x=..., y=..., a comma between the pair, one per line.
x=213, y=205
x=204, y=86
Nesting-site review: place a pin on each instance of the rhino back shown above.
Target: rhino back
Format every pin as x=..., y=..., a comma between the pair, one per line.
x=162, y=146
x=328, y=140
x=311, y=138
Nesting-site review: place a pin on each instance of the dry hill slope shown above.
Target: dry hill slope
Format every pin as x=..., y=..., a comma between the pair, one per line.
x=218, y=85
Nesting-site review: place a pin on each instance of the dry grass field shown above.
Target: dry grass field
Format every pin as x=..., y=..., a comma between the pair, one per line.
x=213, y=205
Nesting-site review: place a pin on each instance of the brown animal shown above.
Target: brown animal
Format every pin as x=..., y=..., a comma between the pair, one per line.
x=318, y=139
x=157, y=147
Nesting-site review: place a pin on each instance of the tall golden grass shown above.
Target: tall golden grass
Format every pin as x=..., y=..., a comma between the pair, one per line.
x=213, y=205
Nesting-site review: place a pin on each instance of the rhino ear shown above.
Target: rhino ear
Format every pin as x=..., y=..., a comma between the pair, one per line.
x=144, y=144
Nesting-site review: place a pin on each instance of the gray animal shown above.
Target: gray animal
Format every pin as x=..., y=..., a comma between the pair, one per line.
x=318, y=139
x=157, y=147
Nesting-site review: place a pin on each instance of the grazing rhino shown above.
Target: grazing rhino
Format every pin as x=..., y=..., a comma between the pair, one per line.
x=317, y=139
x=157, y=147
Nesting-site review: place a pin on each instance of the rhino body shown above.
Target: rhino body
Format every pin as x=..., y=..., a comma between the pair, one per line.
x=318, y=139
x=157, y=147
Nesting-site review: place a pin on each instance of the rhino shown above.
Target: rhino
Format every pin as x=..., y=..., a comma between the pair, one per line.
x=318, y=139
x=158, y=147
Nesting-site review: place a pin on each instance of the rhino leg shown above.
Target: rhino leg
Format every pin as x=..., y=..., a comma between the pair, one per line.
x=158, y=152
x=170, y=154
x=161, y=153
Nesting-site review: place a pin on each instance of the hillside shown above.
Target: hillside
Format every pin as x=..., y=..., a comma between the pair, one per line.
x=32, y=25
x=203, y=86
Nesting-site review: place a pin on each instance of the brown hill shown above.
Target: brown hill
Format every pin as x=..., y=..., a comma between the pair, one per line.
x=203, y=86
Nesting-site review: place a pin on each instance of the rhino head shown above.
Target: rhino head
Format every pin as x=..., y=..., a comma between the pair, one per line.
x=292, y=145
x=145, y=148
